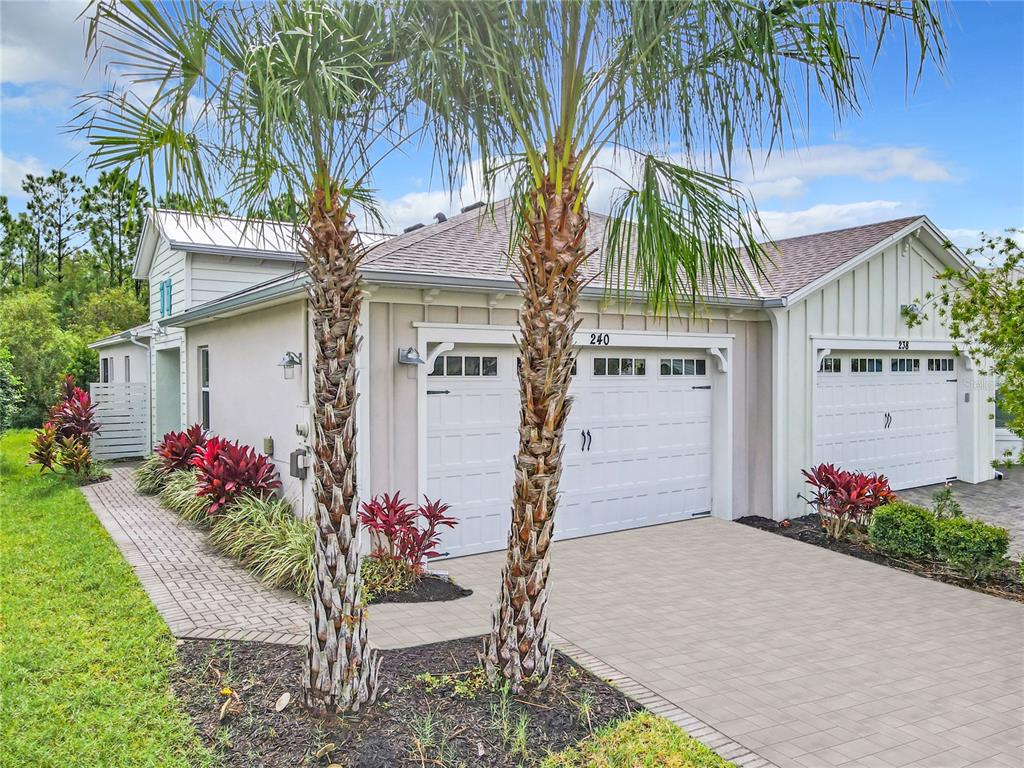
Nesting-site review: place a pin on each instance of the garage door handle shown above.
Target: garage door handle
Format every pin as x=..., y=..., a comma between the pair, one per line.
x=439, y=391
x=590, y=441
x=706, y=386
x=583, y=445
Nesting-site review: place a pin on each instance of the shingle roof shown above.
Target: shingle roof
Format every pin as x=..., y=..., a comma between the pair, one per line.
x=474, y=245
x=799, y=261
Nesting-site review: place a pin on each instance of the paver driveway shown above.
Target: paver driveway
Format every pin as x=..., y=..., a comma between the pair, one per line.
x=808, y=657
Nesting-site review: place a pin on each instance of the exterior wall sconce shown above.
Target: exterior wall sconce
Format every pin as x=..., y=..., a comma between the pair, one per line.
x=410, y=356
x=289, y=363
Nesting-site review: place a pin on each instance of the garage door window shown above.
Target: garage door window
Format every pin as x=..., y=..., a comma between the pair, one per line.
x=905, y=364
x=678, y=366
x=866, y=365
x=465, y=365
x=831, y=365
x=940, y=364
x=620, y=366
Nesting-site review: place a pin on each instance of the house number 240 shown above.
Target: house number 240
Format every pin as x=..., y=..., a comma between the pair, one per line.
x=600, y=339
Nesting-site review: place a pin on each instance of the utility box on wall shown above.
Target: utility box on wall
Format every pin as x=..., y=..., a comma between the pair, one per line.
x=297, y=463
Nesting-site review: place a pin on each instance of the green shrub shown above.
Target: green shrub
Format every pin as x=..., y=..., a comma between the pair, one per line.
x=269, y=539
x=637, y=742
x=179, y=495
x=944, y=504
x=1020, y=570
x=385, y=576
x=150, y=477
x=973, y=548
x=902, y=529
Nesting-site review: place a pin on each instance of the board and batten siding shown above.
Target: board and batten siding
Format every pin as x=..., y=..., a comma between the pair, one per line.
x=392, y=388
x=863, y=302
x=214, y=276
x=168, y=263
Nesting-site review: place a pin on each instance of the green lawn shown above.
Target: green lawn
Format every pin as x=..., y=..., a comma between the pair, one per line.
x=84, y=656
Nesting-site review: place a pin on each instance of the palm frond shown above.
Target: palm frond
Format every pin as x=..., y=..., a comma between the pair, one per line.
x=679, y=235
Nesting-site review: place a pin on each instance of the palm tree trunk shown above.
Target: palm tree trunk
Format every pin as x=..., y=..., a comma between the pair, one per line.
x=341, y=669
x=551, y=254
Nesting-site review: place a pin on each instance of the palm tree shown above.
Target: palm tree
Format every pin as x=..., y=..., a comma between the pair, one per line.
x=550, y=92
x=254, y=102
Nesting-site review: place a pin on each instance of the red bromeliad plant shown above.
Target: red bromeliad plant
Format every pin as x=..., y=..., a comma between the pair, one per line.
x=177, y=449
x=224, y=470
x=74, y=415
x=842, y=497
x=404, y=532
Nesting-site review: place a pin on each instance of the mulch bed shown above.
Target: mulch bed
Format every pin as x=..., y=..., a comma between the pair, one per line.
x=427, y=589
x=808, y=528
x=416, y=722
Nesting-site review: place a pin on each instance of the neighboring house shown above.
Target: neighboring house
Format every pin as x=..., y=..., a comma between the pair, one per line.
x=714, y=414
x=124, y=356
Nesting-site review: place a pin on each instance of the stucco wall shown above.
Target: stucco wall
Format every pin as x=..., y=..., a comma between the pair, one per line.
x=864, y=303
x=138, y=357
x=249, y=397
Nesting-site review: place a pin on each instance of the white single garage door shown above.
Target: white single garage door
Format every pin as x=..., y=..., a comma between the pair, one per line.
x=894, y=414
x=637, y=444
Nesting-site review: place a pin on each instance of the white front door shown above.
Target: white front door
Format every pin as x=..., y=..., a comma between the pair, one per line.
x=637, y=445
x=891, y=413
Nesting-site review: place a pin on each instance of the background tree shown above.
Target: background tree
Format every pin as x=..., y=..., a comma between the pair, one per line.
x=180, y=201
x=107, y=311
x=113, y=212
x=12, y=390
x=255, y=101
x=983, y=309
x=53, y=206
x=550, y=93
x=41, y=352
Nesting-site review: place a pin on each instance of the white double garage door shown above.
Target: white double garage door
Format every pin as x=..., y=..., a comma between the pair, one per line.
x=637, y=442
x=891, y=413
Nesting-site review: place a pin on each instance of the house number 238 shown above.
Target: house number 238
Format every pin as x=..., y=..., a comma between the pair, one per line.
x=600, y=339
x=904, y=345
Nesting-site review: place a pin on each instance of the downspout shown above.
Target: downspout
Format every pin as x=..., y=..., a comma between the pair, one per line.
x=133, y=339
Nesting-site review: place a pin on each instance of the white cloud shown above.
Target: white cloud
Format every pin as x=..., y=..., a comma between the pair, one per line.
x=13, y=170
x=786, y=175
x=828, y=216
x=42, y=41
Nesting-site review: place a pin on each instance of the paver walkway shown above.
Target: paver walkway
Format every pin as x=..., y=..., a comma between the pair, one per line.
x=807, y=657
x=1000, y=502
x=199, y=592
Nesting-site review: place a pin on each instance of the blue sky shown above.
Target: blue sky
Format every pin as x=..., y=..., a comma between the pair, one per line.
x=953, y=149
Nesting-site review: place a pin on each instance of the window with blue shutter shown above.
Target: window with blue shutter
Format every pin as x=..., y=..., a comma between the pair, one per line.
x=165, y=297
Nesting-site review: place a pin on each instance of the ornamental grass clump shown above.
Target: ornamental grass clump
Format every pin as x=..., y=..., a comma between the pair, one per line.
x=976, y=550
x=901, y=529
x=844, y=498
x=179, y=496
x=150, y=477
x=264, y=534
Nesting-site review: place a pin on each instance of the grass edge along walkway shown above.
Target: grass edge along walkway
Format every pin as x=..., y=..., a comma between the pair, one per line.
x=84, y=655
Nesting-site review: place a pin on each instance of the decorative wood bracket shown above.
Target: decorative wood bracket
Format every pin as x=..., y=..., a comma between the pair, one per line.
x=494, y=298
x=440, y=349
x=722, y=360
x=820, y=355
x=429, y=294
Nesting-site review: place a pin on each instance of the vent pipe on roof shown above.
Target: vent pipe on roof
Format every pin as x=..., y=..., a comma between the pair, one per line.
x=413, y=228
x=472, y=207
x=439, y=217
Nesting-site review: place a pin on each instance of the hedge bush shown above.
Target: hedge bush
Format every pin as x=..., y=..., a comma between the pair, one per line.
x=384, y=575
x=902, y=529
x=973, y=548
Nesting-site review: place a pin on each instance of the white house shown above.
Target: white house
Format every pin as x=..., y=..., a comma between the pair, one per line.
x=711, y=414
